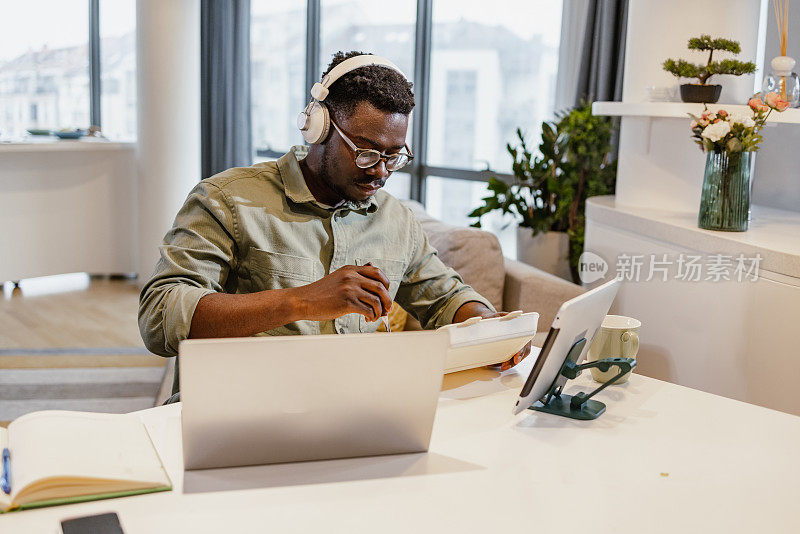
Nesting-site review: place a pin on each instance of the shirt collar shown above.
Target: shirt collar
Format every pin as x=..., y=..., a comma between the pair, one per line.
x=294, y=184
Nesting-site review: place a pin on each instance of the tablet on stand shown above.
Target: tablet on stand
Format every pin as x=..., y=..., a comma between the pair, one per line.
x=563, y=351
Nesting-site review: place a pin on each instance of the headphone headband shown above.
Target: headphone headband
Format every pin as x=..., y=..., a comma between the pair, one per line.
x=320, y=89
x=314, y=121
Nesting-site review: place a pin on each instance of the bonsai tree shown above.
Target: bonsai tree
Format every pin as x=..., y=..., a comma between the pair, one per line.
x=684, y=69
x=549, y=189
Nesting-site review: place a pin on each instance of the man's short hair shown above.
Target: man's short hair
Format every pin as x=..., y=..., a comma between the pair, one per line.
x=383, y=87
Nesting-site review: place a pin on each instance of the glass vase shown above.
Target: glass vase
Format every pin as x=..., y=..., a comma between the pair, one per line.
x=783, y=80
x=725, y=201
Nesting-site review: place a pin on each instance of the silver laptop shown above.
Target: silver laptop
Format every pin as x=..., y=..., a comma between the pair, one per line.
x=261, y=400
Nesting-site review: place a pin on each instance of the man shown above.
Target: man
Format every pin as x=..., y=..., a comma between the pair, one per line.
x=307, y=245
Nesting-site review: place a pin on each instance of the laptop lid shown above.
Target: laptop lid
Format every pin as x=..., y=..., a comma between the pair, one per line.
x=261, y=400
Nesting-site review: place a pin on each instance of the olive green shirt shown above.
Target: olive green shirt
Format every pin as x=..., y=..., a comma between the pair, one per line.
x=257, y=228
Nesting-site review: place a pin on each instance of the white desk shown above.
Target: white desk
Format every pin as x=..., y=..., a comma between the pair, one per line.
x=663, y=458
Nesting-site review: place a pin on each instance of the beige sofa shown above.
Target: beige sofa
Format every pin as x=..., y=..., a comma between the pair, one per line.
x=476, y=255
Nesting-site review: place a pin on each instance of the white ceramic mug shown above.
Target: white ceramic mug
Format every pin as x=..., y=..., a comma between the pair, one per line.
x=617, y=337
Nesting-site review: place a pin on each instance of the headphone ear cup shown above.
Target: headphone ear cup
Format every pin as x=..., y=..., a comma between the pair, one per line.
x=317, y=125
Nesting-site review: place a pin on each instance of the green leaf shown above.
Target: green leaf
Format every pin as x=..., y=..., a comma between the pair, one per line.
x=706, y=43
x=733, y=145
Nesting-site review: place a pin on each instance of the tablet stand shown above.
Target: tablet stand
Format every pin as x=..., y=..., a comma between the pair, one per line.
x=580, y=406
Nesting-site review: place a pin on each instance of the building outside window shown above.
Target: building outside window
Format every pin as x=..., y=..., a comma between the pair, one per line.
x=277, y=67
x=44, y=67
x=118, y=68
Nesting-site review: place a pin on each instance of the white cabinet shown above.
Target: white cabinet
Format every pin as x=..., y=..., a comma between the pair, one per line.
x=732, y=338
x=67, y=207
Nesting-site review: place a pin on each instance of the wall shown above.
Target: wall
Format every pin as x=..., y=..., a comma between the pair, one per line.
x=659, y=166
x=168, y=62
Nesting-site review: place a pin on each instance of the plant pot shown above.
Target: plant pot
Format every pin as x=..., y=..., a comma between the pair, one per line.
x=700, y=94
x=725, y=201
x=548, y=251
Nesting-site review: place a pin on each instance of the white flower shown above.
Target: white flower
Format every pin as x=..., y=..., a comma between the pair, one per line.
x=741, y=118
x=718, y=130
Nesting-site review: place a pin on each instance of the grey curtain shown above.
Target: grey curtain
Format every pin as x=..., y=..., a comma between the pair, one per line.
x=225, y=85
x=603, y=56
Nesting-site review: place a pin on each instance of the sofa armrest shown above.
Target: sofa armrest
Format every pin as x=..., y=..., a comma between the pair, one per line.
x=530, y=289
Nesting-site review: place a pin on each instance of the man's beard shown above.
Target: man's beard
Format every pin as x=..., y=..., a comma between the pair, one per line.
x=325, y=176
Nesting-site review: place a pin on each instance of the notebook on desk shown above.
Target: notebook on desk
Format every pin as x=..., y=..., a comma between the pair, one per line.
x=61, y=457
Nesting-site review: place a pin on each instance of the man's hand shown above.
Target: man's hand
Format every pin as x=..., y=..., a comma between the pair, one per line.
x=476, y=309
x=351, y=289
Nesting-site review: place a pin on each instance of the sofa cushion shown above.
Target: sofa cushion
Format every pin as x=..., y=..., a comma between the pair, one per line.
x=475, y=254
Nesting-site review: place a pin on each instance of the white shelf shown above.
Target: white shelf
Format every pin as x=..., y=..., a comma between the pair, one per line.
x=773, y=233
x=65, y=145
x=681, y=109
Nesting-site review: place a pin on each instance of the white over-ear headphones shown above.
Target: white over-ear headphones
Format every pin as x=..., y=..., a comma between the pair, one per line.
x=314, y=121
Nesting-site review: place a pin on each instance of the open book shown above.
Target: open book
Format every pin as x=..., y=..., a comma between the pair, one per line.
x=60, y=457
x=477, y=342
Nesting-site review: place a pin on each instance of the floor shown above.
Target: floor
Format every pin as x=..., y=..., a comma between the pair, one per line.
x=72, y=342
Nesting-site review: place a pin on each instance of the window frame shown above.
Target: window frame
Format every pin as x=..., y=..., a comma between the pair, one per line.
x=94, y=63
x=95, y=117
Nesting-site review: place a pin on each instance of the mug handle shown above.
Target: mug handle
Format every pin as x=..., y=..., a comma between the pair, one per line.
x=633, y=339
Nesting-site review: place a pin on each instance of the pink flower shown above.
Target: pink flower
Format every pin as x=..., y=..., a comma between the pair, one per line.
x=757, y=105
x=715, y=121
x=693, y=125
x=704, y=123
x=722, y=113
x=774, y=101
x=708, y=115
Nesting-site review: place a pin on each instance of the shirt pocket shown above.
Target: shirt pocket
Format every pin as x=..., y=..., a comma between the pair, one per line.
x=275, y=270
x=394, y=271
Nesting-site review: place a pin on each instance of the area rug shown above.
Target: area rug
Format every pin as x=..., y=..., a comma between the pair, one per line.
x=96, y=379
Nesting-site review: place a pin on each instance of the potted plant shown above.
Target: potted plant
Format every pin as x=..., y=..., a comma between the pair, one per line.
x=703, y=92
x=730, y=141
x=548, y=193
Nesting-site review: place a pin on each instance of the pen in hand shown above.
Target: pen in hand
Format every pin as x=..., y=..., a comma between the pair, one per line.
x=5, y=480
x=384, y=318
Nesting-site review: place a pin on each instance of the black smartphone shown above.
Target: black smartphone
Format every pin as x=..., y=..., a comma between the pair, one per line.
x=93, y=524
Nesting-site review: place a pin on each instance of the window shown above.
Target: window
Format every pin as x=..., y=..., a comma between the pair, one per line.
x=45, y=57
x=382, y=27
x=278, y=71
x=484, y=68
x=451, y=200
x=493, y=69
x=44, y=65
x=118, y=68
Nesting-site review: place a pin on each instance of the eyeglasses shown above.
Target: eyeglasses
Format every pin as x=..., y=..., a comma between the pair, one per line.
x=368, y=157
